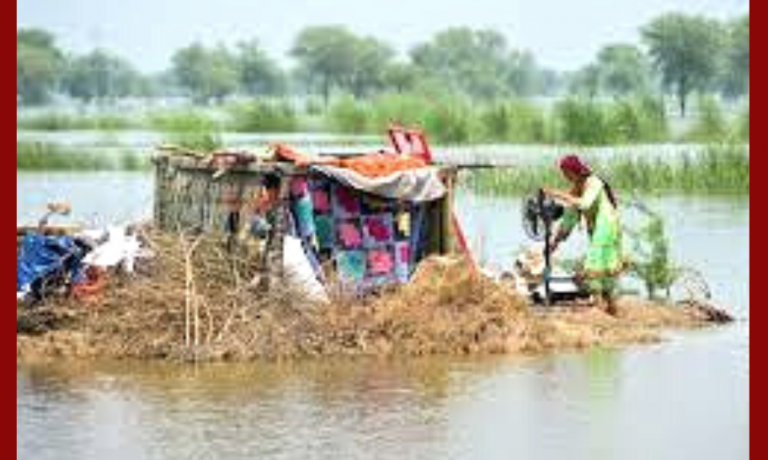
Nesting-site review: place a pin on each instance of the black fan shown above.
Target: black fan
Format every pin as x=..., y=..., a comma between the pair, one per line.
x=539, y=212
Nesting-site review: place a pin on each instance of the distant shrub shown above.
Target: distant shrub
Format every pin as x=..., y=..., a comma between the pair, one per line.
x=514, y=121
x=581, y=122
x=742, y=124
x=188, y=129
x=348, y=115
x=710, y=124
x=53, y=121
x=451, y=121
x=407, y=109
x=263, y=116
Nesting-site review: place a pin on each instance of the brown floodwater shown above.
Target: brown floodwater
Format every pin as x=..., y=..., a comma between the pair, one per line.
x=687, y=397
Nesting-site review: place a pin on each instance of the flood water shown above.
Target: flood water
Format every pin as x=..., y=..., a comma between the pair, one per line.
x=685, y=398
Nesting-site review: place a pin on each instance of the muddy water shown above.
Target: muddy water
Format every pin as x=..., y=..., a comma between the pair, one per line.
x=684, y=398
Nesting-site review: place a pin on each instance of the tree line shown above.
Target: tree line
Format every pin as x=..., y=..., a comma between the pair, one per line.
x=679, y=55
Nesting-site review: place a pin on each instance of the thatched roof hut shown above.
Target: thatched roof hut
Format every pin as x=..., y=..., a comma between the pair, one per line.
x=369, y=228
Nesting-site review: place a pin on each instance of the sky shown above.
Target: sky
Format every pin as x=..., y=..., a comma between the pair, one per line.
x=562, y=34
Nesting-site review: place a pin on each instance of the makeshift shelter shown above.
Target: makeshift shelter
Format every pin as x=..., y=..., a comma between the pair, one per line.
x=370, y=217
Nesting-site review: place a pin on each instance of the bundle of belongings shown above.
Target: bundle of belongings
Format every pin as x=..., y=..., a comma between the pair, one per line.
x=528, y=277
x=364, y=217
x=48, y=263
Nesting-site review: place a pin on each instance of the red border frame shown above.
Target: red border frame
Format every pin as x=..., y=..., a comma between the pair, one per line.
x=758, y=230
x=7, y=167
x=758, y=227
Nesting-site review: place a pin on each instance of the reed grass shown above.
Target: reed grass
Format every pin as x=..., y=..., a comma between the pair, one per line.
x=39, y=156
x=189, y=129
x=263, y=116
x=53, y=121
x=448, y=118
x=721, y=168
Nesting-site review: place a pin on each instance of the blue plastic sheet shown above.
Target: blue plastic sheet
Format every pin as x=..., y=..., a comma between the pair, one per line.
x=43, y=256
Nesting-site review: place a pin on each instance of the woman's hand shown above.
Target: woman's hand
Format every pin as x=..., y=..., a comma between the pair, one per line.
x=561, y=196
x=549, y=191
x=554, y=242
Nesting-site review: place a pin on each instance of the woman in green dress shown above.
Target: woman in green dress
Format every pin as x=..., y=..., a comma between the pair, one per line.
x=591, y=199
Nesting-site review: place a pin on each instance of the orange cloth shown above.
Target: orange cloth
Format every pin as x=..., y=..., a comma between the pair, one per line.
x=378, y=165
x=370, y=165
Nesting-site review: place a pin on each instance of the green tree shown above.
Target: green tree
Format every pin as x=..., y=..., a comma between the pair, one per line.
x=400, y=76
x=206, y=74
x=623, y=70
x=326, y=56
x=100, y=75
x=372, y=58
x=524, y=76
x=258, y=73
x=735, y=71
x=38, y=63
x=686, y=50
x=475, y=62
x=586, y=82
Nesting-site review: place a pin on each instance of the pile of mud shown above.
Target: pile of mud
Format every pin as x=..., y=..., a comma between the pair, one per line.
x=200, y=305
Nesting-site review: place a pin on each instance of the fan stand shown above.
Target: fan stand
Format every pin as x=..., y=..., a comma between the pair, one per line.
x=547, y=234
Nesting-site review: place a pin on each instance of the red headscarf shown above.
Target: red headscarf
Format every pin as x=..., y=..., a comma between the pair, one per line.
x=578, y=167
x=575, y=165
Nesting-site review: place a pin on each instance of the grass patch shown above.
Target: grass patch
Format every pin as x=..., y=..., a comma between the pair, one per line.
x=349, y=116
x=39, y=156
x=188, y=129
x=721, y=168
x=52, y=121
x=263, y=116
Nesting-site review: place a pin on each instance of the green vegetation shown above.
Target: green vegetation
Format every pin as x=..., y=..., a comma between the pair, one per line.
x=37, y=156
x=38, y=64
x=100, y=76
x=53, y=121
x=346, y=115
x=686, y=51
x=682, y=54
x=268, y=116
x=742, y=125
x=190, y=129
x=627, y=121
x=651, y=260
x=710, y=124
x=721, y=168
x=517, y=122
x=455, y=120
x=447, y=119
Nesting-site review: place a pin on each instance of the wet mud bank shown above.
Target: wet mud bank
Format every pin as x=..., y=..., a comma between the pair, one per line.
x=446, y=310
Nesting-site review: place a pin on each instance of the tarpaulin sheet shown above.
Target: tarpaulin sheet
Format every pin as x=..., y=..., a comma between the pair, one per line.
x=41, y=256
x=417, y=185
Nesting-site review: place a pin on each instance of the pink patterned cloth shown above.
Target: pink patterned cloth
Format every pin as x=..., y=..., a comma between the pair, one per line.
x=299, y=187
x=350, y=235
x=403, y=252
x=378, y=229
x=380, y=262
x=348, y=200
x=320, y=201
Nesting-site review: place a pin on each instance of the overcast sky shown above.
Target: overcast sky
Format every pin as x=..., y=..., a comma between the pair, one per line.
x=563, y=34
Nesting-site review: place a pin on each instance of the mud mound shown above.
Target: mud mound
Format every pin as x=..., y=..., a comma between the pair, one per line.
x=195, y=300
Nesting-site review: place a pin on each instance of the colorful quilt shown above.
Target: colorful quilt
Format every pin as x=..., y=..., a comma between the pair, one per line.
x=369, y=239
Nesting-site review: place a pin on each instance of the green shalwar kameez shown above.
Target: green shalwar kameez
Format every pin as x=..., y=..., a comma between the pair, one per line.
x=604, y=259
